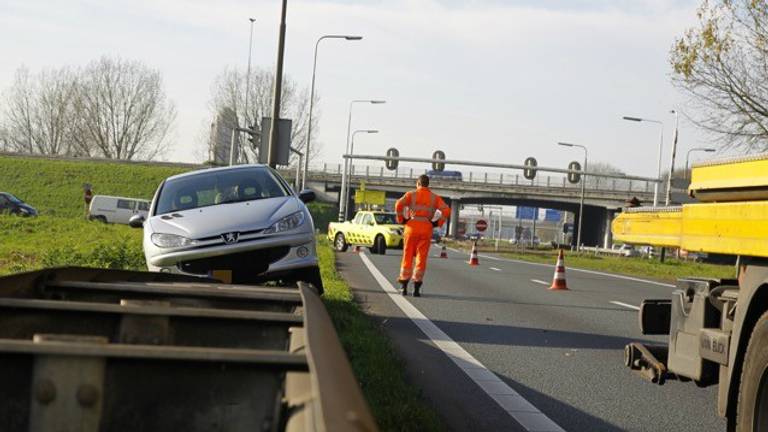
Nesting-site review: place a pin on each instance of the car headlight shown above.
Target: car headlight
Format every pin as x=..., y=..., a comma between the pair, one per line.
x=286, y=224
x=171, y=240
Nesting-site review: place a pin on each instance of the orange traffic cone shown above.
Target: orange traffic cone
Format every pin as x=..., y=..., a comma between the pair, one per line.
x=473, y=261
x=558, y=281
x=444, y=252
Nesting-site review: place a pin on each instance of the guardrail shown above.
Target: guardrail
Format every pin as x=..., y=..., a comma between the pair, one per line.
x=484, y=178
x=90, y=350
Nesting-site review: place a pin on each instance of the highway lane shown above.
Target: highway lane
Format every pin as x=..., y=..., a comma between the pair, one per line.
x=562, y=351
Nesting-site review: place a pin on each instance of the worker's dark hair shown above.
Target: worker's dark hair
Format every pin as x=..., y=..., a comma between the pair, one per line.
x=424, y=180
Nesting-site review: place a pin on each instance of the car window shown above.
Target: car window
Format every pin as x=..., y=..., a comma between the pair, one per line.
x=143, y=206
x=125, y=204
x=358, y=218
x=3, y=201
x=218, y=187
x=366, y=219
x=385, y=218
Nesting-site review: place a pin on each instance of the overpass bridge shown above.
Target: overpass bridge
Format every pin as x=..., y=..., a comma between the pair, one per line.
x=603, y=197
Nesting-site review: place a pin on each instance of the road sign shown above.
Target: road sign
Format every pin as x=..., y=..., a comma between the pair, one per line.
x=525, y=212
x=574, y=177
x=283, y=140
x=530, y=172
x=370, y=197
x=392, y=164
x=436, y=166
x=481, y=225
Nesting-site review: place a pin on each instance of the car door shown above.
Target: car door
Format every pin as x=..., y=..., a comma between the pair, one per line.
x=142, y=208
x=125, y=209
x=369, y=229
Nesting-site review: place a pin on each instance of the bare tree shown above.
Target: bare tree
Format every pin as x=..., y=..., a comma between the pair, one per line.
x=122, y=111
x=229, y=90
x=722, y=64
x=39, y=111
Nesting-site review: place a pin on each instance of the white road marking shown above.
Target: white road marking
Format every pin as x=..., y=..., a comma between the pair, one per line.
x=508, y=399
x=495, y=269
x=539, y=282
x=633, y=307
x=630, y=278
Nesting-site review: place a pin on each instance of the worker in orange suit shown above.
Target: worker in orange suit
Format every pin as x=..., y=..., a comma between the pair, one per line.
x=420, y=210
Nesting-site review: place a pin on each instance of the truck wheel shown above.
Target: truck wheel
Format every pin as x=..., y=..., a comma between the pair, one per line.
x=380, y=245
x=752, y=408
x=340, y=243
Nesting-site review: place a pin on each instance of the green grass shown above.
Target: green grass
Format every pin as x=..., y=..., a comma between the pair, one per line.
x=45, y=241
x=668, y=271
x=54, y=187
x=396, y=405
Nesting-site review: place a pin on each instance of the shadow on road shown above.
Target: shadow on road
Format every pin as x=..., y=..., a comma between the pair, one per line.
x=567, y=416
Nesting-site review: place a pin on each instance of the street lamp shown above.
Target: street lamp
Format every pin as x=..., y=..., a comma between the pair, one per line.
x=661, y=144
x=347, y=162
x=668, y=199
x=312, y=100
x=583, y=183
x=349, y=173
x=688, y=156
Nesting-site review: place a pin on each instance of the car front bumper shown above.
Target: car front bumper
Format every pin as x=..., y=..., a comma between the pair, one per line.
x=290, y=252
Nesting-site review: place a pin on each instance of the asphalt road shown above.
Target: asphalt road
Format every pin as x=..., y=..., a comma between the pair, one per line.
x=562, y=351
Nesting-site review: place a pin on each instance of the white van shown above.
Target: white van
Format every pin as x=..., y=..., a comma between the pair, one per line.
x=116, y=209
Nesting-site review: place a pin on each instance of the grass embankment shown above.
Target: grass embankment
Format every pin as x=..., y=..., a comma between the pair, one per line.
x=395, y=405
x=45, y=241
x=55, y=187
x=670, y=270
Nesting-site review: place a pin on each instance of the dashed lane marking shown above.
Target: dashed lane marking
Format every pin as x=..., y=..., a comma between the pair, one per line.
x=633, y=307
x=495, y=269
x=629, y=278
x=508, y=399
x=539, y=282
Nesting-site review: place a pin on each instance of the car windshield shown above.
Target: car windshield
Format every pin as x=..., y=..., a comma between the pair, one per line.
x=218, y=187
x=385, y=218
x=13, y=199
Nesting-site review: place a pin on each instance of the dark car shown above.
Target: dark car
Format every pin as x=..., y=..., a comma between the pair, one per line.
x=11, y=204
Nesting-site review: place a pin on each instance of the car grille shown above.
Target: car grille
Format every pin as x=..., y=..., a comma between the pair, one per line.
x=251, y=263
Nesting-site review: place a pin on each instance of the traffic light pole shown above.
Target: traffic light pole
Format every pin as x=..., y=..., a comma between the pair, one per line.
x=232, y=159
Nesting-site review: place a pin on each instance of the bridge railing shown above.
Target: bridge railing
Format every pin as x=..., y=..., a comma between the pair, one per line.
x=489, y=178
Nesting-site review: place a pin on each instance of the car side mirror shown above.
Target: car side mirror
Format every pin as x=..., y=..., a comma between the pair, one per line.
x=307, y=195
x=371, y=223
x=136, y=221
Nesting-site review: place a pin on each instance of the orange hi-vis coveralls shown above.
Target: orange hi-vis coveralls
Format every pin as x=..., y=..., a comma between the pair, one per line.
x=417, y=210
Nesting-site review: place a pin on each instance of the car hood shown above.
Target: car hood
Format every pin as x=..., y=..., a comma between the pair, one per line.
x=223, y=218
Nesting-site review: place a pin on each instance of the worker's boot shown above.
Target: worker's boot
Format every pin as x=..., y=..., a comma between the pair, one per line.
x=417, y=289
x=404, y=287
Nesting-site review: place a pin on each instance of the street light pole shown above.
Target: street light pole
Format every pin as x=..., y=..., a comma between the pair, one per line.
x=349, y=173
x=347, y=162
x=668, y=199
x=248, y=75
x=277, y=92
x=688, y=156
x=583, y=183
x=312, y=101
x=661, y=144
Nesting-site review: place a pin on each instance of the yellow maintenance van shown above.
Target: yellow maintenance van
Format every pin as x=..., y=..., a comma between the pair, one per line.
x=718, y=329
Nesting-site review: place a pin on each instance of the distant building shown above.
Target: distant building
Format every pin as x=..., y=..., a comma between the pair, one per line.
x=220, y=141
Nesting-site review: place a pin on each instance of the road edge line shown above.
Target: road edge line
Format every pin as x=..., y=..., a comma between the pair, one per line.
x=512, y=402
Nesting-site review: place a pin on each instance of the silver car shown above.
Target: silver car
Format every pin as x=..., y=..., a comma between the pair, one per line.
x=245, y=220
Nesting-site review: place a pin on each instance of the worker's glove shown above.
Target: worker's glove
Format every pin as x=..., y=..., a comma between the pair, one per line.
x=435, y=224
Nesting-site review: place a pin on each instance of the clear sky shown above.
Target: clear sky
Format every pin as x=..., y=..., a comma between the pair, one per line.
x=480, y=79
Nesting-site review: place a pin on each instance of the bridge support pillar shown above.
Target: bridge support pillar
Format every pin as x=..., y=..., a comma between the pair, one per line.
x=453, y=222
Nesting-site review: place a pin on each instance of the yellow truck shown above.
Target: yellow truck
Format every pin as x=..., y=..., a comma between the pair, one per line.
x=718, y=329
x=376, y=230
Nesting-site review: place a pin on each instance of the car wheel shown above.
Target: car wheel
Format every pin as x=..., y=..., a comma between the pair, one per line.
x=340, y=243
x=312, y=277
x=752, y=407
x=380, y=245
